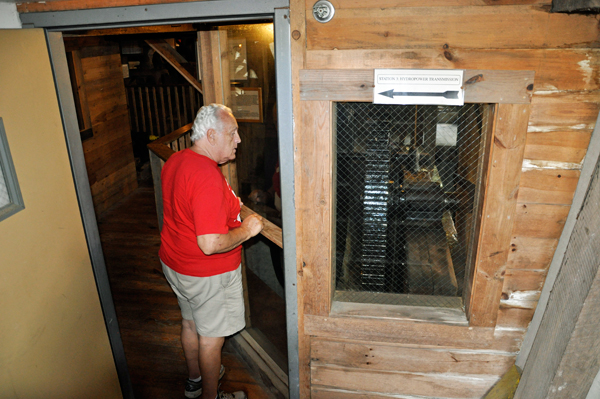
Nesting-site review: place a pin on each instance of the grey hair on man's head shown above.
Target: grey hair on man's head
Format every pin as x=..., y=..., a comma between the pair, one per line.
x=207, y=118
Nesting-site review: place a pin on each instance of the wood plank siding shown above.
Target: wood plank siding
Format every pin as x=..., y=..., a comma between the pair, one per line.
x=350, y=355
x=108, y=153
x=541, y=70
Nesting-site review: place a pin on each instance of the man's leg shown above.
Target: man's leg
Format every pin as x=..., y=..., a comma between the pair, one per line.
x=210, y=364
x=189, y=342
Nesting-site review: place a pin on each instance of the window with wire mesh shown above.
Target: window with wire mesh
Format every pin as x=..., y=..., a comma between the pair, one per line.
x=407, y=179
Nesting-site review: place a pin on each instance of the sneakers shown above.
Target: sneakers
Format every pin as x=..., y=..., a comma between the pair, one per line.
x=233, y=395
x=194, y=389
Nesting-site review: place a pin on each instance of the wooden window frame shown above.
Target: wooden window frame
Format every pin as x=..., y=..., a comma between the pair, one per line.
x=511, y=92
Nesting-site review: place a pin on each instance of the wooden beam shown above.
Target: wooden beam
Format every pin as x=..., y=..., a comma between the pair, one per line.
x=381, y=356
x=402, y=332
x=556, y=69
x=213, y=61
x=448, y=316
x=297, y=20
x=134, y=30
x=498, y=213
x=503, y=27
x=481, y=86
x=83, y=110
x=316, y=206
x=62, y=5
x=400, y=383
x=175, y=59
x=270, y=230
x=214, y=66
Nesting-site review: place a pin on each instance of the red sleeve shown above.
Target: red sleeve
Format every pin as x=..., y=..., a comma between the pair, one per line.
x=209, y=207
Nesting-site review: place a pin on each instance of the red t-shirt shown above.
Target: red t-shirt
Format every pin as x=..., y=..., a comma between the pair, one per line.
x=197, y=200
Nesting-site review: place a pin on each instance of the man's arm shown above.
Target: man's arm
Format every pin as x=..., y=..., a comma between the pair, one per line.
x=220, y=243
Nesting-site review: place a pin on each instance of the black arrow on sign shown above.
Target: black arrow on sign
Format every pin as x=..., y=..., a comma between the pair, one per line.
x=447, y=94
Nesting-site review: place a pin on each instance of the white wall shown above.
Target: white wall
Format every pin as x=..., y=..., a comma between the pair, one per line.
x=9, y=17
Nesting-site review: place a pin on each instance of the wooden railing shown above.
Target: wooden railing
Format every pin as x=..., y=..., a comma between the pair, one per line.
x=157, y=110
x=161, y=149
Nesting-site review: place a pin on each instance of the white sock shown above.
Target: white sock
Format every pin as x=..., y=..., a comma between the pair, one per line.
x=196, y=379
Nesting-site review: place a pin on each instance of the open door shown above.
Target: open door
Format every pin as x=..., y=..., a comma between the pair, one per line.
x=237, y=65
x=196, y=12
x=51, y=313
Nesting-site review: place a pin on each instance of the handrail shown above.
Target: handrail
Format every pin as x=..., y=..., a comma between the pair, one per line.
x=160, y=148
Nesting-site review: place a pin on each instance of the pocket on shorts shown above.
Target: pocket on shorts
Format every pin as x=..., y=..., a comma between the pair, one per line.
x=226, y=279
x=230, y=278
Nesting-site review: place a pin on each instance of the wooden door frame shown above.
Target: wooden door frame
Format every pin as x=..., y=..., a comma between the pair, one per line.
x=159, y=14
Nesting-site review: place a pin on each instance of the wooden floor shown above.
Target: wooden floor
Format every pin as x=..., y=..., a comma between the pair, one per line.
x=147, y=310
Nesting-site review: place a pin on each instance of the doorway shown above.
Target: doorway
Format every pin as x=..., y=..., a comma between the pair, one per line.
x=284, y=118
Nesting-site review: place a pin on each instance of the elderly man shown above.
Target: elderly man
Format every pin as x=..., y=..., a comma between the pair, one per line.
x=201, y=247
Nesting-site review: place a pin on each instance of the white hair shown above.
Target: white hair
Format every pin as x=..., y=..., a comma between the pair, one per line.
x=207, y=118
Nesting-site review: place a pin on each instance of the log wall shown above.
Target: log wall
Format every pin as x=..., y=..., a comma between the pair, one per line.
x=109, y=153
x=345, y=356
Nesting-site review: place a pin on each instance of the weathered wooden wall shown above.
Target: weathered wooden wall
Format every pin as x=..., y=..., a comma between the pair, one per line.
x=347, y=356
x=109, y=153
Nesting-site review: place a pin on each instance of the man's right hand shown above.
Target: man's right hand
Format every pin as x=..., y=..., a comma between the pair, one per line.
x=253, y=224
x=220, y=243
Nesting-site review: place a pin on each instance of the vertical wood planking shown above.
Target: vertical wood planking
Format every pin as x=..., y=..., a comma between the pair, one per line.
x=149, y=111
x=109, y=154
x=207, y=66
x=178, y=108
x=298, y=47
x=142, y=114
x=184, y=106
x=156, y=113
x=162, y=107
x=316, y=206
x=215, y=81
x=83, y=102
x=134, y=106
x=485, y=147
x=171, y=116
x=499, y=212
x=192, y=102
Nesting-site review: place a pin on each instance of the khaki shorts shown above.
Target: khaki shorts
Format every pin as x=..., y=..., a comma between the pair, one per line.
x=215, y=303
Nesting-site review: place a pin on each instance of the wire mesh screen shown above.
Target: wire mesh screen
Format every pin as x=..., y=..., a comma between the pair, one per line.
x=406, y=184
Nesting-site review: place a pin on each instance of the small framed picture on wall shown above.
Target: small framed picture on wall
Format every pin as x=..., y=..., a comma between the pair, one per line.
x=11, y=200
x=246, y=104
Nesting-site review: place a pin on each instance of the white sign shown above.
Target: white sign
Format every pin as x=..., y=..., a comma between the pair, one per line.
x=419, y=86
x=446, y=134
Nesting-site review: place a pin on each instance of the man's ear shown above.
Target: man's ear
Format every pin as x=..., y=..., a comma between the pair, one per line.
x=211, y=136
